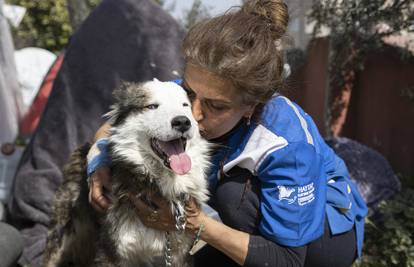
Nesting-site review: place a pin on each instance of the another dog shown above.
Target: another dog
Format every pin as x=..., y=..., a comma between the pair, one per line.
x=154, y=146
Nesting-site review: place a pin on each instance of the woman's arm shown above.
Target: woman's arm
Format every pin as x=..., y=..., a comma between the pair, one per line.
x=231, y=242
x=103, y=132
x=101, y=178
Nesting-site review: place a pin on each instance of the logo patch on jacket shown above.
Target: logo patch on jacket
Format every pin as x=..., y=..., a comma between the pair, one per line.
x=306, y=194
x=285, y=193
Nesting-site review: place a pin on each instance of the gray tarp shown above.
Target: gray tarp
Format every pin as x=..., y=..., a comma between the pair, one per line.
x=132, y=40
x=369, y=169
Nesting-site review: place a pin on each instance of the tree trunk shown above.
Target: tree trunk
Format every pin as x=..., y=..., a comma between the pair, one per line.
x=341, y=86
x=340, y=104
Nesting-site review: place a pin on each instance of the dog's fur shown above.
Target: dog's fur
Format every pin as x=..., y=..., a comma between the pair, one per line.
x=78, y=235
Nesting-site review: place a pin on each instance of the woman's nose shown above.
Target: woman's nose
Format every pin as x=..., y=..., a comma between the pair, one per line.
x=197, y=110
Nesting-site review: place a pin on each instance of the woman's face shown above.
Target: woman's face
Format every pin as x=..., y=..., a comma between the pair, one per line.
x=216, y=104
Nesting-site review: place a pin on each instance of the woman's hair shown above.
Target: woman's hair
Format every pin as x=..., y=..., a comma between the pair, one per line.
x=243, y=46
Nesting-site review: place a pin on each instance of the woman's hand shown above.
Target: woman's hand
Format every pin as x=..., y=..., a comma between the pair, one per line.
x=195, y=216
x=159, y=217
x=100, y=182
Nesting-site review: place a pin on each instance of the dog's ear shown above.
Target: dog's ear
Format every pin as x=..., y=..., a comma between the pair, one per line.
x=128, y=97
x=121, y=93
x=155, y=80
x=113, y=115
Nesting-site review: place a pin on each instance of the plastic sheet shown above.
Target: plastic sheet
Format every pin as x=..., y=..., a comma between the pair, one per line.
x=10, y=98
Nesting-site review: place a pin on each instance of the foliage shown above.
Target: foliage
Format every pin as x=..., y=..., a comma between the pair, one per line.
x=390, y=241
x=79, y=11
x=197, y=13
x=46, y=24
x=358, y=27
x=406, y=180
x=361, y=25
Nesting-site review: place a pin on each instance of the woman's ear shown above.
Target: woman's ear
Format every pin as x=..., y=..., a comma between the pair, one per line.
x=249, y=113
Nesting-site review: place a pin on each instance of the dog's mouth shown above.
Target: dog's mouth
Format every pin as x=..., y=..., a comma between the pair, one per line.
x=173, y=154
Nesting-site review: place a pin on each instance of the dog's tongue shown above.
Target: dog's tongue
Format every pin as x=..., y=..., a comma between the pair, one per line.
x=180, y=162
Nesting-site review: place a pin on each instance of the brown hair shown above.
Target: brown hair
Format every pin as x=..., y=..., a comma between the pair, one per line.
x=243, y=46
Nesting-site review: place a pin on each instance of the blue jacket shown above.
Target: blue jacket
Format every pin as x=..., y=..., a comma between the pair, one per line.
x=302, y=179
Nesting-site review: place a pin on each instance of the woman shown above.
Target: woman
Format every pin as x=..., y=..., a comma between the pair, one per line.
x=284, y=197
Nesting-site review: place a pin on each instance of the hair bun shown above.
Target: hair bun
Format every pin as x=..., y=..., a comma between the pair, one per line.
x=273, y=12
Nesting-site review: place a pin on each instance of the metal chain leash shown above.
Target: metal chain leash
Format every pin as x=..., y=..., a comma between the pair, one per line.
x=168, y=250
x=180, y=223
x=180, y=217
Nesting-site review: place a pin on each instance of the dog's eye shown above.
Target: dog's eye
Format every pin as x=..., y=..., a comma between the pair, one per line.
x=185, y=105
x=152, y=106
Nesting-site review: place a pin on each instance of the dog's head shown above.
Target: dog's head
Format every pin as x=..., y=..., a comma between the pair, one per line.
x=153, y=119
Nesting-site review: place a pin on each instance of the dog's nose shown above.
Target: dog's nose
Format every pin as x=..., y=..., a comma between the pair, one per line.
x=181, y=123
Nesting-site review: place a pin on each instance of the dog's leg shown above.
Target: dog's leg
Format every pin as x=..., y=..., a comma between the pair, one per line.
x=54, y=255
x=70, y=204
x=102, y=259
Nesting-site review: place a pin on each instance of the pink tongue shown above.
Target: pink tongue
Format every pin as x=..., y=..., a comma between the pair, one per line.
x=180, y=162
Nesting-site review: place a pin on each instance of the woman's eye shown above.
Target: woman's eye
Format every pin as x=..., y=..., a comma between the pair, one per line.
x=152, y=106
x=217, y=107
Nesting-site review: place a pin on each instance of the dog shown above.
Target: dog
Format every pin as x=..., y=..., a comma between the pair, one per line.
x=154, y=146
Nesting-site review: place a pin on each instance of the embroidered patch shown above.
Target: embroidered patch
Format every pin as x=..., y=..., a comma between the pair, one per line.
x=285, y=193
x=306, y=194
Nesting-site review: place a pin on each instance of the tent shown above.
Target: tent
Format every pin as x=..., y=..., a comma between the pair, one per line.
x=30, y=120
